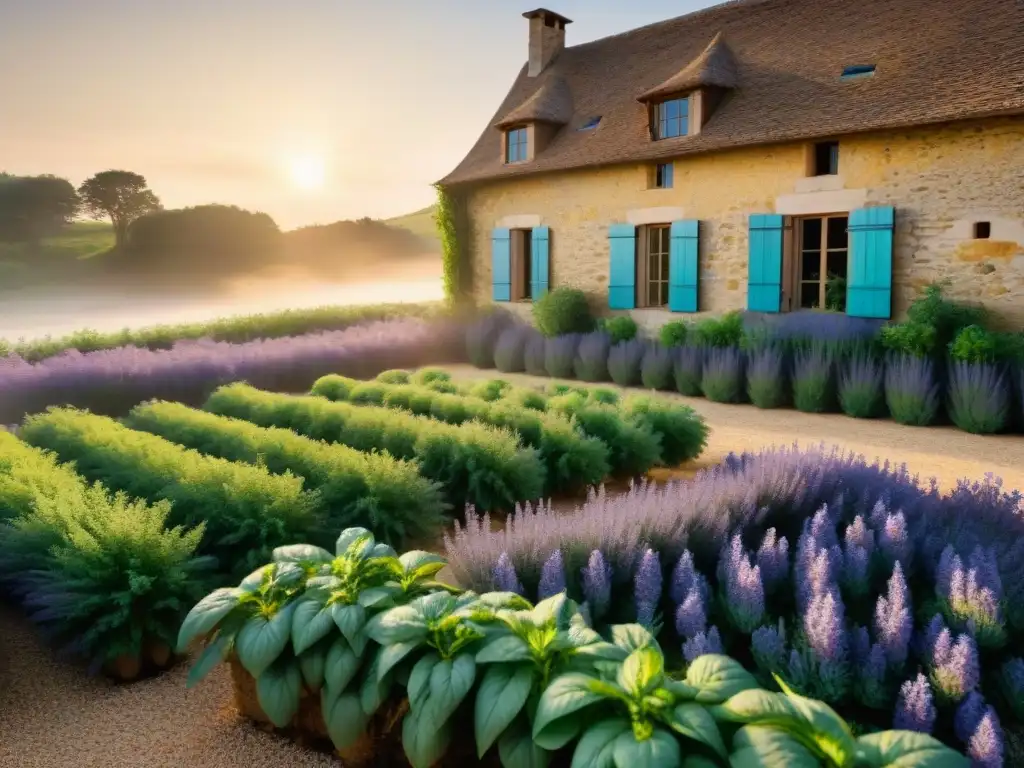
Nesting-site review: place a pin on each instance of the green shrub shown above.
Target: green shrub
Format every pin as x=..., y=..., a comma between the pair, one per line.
x=915, y=339
x=719, y=332
x=427, y=376
x=475, y=464
x=491, y=390
x=526, y=398
x=947, y=317
x=603, y=395
x=368, y=393
x=673, y=334
x=407, y=397
x=632, y=449
x=374, y=491
x=394, y=376
x=974, y=344
x=555, y=390
x=621, y=328
x=572, y=460
x=246, y=510
x=561, y=311
x=683, y=432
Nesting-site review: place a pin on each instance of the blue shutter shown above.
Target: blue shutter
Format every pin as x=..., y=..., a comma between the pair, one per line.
x=540, y=248
x=869, y=281
x=683, y=266
x=764, y=273
x=622, y=269
x=501, y=265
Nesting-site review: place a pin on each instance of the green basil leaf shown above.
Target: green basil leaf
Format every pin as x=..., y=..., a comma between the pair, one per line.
x=397, y=625
x=313, y=665
x=504, y=648
x=596, y=746
x=301, y=553
x=680, y=690
x=206, y=614
x=418, y=688
x=632, y=637
x=421, y=564
x=695, y=722
x=261, y=641
x=435, y=606
x=343, y=716
x=350, y=620
x=340, y=666
x=278, y=690
x=698, y=761
x=212, y=655
x=375, y=689
x=351, y=536
x=642, y=671
x=390, y=655
x=602, y=650
x=717, y=678
x=311, y=622
x=450, y=682
x=580, y=634
x=424, y=740
x=565, y=695
x=558, y=609
x=383, y=550
x=502, y=600
x=254, y=580
x=288, y=574
x=661, y=750
x=758, y=746
x=907, y=749
x=503, y=692
x=517, y=750
x=378, y=596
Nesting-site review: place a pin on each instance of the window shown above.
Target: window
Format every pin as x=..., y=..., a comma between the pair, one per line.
x=652, y=266
x=982, y=230
x=590, y=125
x=822, y=264
x=663, y=176
x=858, y=70
x=522, y=242
x=826, y=158
x=671, y=118
x=516, y=142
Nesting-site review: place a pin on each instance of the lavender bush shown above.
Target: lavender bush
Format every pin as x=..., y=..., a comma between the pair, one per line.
x=766, y=377
x=624, y=360
x=482, y=336
x=861, y=386
x=534, y=354
x=656, y=368
x=911, y=390
x=510, y=348
x=560, y=355
x=591, y=363
x=979, y=397
x=794, y=331
x=814, y=379
x=851, y=581
x=112, y=381
x=688, y=370
x=722, y=379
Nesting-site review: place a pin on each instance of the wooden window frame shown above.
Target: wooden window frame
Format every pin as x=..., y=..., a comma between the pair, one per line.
x=794, y=248
x=524, y=145
x=643, y=256
x=659, y=123
x=833, y=159
x=520, y=256
x=661, y=173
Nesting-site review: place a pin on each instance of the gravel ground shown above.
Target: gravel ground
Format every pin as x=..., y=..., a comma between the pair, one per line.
x=53, y=716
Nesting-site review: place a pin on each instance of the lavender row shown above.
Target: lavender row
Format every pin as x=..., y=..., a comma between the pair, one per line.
x=112, y=381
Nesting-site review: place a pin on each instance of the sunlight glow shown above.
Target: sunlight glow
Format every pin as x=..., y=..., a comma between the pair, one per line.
x=308, y=172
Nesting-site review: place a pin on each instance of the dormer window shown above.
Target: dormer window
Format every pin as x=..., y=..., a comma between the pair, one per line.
x=671, y=118
x=516, y=144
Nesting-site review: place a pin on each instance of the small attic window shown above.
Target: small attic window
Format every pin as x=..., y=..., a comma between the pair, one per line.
x=858, y=70
x=591, y=124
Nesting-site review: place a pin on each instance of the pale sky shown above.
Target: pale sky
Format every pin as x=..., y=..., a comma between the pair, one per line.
x=227, y=101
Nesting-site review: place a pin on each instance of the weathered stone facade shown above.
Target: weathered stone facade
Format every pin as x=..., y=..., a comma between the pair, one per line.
x=941, y=181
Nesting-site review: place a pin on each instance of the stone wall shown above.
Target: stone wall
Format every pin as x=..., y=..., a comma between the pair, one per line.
x=941, y=181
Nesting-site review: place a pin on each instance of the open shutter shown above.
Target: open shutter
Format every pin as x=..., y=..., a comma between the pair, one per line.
x=683, y=266
x=622, y=269
x=764, y=275
x=869, y=278
x=501, y=265
x=540, y=248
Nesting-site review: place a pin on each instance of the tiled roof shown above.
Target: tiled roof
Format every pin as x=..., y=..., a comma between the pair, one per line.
x=715, y=66
x=551, y=103
x=936, y=62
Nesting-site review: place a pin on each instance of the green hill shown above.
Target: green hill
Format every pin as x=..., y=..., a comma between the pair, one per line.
x=419, y=223
x=81, y=240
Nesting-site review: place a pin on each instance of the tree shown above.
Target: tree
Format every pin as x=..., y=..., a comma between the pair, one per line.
x=33, y=207
x=123, y=196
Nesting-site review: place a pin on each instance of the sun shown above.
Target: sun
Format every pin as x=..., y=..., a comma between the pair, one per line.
x=307, y=172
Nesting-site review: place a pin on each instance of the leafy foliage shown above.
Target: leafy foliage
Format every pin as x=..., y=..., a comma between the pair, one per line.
x=620, y=329
x=932, y=309
x=974, y=344
x=33, y=207
x=121, y=196
x=673, y=334
x=979, y=397
x=682, y=431
x=718, y=332
x=562, y=311
x=915, y=339
x=450, y=209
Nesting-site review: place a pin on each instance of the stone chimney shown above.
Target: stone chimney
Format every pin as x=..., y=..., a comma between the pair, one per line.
x=547, y=38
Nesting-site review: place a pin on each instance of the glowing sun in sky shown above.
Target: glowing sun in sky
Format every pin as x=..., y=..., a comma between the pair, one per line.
x=307, y=172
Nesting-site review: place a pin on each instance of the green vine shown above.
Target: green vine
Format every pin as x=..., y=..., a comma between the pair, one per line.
x=446, y=216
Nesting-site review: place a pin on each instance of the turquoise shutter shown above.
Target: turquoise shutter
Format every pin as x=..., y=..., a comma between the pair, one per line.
x=869, y=281
x=764, y=275
x=501, y=265
x=683, y=266
x=622, y=269
x=540, y=248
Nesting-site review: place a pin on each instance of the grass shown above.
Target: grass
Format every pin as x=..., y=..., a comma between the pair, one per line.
x=82, y=240
x=419, y=223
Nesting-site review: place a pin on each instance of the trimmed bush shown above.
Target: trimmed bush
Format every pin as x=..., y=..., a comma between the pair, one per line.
x=688, y=370
x=806, y=328
x=932, y=309
x=603, y=395
x=374, y=491
x=474, y=464
x=915, y=339
x=723, y=379
x=911, y=390
x=620, y=329
x=572, y=460
x=394, y=376
x=673, y=334
x=368, y=393
x=560, y=355
x=591, y=363
x=426, y=377
x=534, y=356
x=656, y=368
x=624, y=360
x=682, y=431
x=527, y=398
x=979, y=397
x=406, y=397
x=974, y=344
x=562, y=311
x=490, y=390
x=632, y=449
x=247, y=511
x=766, y=377
x=814, y=389
x=510, y=349
x=862, y=386
x=482, y=336
x=718, y=332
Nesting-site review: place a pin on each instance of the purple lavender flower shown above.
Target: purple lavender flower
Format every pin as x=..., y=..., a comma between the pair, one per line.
x=985, y=747
x=894, y=541
x=915, y=710
x=954, y=665
x=856, y=569
x=972, y=594
x=968, y=714
x=858, y=534
x=505, y=578
x=597, y=584
x=1012, y=681
x=552, y=576
x=773, y=560
x=691, y=618
x=684, y=578
x=824, y=626
x=744, y=591
x=870, y=683
x=768, y=645
x=894, y=621
x=647, y=583
x=702, y=644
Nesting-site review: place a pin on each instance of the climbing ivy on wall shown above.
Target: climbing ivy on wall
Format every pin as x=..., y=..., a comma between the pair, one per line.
x=455, y=269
